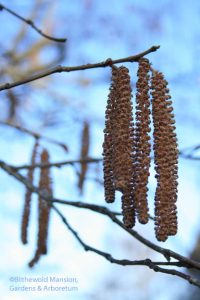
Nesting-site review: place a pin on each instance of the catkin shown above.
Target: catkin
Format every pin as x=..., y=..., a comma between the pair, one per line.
x=108, y=145
x=142, y=141
x=124, y=147
x=166, y=158
x=118, y=144
x=84, y=154
x=43, y=209
x=27, y=202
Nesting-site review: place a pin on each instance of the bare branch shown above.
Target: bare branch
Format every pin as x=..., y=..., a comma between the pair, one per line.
x=183, y=261
x=168, y=254
x=36, y=135
x=31, y=24
x=58, y=69
x=125, y=262
x=85, y=160
x=60, y=164
x=77, y=161
x=189, y=153
x=189, y=156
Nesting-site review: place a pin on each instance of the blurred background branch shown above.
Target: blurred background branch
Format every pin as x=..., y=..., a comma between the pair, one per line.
x=30, y=23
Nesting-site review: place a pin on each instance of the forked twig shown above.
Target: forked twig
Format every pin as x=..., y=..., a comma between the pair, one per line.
x=31, y=24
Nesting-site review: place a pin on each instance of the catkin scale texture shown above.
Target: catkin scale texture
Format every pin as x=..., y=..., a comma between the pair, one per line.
x=142, y=141
x=166, y=159
x=118, y=143
x=124, y=143
x=110, y=125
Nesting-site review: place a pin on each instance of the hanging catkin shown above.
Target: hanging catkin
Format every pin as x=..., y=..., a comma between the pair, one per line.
x=166, y=158
x=123, y=145
x=110, y=124
x=142, y=141
x=43, y=209
x=85, y=144
x=118, y=144
x=27, y=202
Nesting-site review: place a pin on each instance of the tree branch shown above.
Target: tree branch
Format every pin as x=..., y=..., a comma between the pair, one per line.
x=125, y=262
x=168, y=254
x=189, y=156
x=81, y=161
x=183, y=261
x=31, y=24
x=182, y=153
x=59, y=164
x=58, y=69
x=36, y=135
x=188, y=153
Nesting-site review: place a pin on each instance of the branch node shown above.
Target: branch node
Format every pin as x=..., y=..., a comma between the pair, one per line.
x=167, y=255
x=29, y=22
x=109, y=62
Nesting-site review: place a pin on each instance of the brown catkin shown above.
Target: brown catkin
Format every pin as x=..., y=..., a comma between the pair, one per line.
x=142, y=141
x=110, y=123
x=118, y=144
x=85, y=144
x=35, y=259
x=124, y=146
x=43, y=209
x=166, y=158
x=27, y=202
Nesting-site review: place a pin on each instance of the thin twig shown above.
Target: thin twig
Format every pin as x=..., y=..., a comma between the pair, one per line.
x=85, y=160
x=31, y=24
x=35, y=134
x=59, y=164
x=188, y=153
x=189, y=156
x=168, y=254
x=58, y=69
x=75, y=161
x=125, y=262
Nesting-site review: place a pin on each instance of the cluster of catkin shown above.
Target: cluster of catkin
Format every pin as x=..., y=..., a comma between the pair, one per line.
x=127, y=148
x=45, y=187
